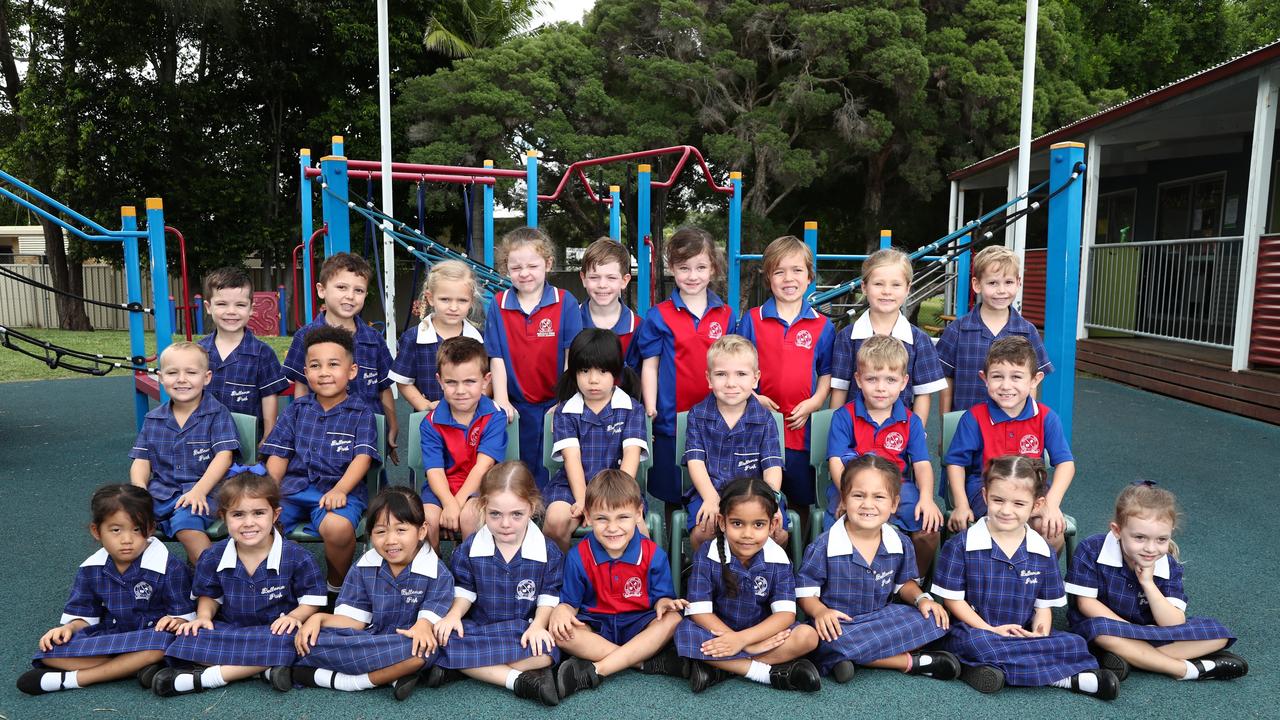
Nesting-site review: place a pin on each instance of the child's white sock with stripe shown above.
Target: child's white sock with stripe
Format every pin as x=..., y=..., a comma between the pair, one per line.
x=1193, y=671
x=53, y=681
x=1088, y=682
x=759, y=672
x=511, y=679
x=351, y=683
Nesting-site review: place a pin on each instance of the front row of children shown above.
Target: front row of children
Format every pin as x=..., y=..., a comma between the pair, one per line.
x=511, y=603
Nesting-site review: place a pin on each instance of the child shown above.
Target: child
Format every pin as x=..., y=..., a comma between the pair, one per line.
x=962, y=349
x=506, y=583
x=321, y=450
x=1010, y=422
x=730, y=436
x=1000, y=582
x=184, y=448
x=246, y=373
x=741, y=616
x=462, y=438
x=1129, y=598
x=383, y=630
x=794, y=344
x=851, y=574
x=126, y=600
x=877, y=422
x=606, y=272
x=257, y=586
x=673, y=342
x=449, y=290
x=886, y=282
x=598, y=425
x=617, y=608
x=534, y=322
x=343, y=286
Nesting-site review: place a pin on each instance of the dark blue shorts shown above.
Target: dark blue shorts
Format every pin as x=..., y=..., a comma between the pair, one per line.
x=618, y=628
x=171, y=520
x=302, y=510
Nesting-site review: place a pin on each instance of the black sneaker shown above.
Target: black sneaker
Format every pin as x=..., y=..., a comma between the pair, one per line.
x=795, y=675
x=1110, y=661
x=666, y=662
x=403, y=687
x=942, y=665
x=537, y=685
x=162, y=683
x=983, y=678
x=1108, y=684
x=703, y=676
x=1226, y=666
x=576, y=674
x=438, y=676
x=279, y=677
x=29, y=681
x=306, y=677
x=842, y=672
x=148, y=674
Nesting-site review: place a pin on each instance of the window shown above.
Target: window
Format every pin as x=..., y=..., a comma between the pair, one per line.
x=1190, y=208
x=1116, y=212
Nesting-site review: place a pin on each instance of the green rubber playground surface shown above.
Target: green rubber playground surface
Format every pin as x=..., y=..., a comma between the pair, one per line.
x=60, y=439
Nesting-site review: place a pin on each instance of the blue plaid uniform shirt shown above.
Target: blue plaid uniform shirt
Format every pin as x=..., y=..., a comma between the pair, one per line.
x=372, y=595
x=248, y=374
x=153, y=586
x=962, y=352
x=371, y=355
x=746, y=450
x=415, y=362
x=922, y=360
x=766, y=586
x=1002, y=590
x=1098, y=570
x=289, y=577
x=499, y=590
x=835, y=572
x=600, y=438
x=179, y=456
x=320, y=444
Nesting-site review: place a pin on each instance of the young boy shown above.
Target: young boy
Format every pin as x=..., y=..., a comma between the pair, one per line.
x=464, y=436
x=878, y=422
x=606, y=272
x=184, y=448
x=730, y=435
x=962, y=349
x=321, y=450
x=246, y=374
x=343, y=286
x=617, y=607
x=1010, y=422
x=794, y=344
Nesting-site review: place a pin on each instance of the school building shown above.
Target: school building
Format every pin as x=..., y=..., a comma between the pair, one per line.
x=1180, y=262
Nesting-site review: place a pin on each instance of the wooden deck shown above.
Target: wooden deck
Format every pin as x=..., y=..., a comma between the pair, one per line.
x=1196, y=374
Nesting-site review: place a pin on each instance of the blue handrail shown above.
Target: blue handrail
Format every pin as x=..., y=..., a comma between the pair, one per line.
x=105, y=235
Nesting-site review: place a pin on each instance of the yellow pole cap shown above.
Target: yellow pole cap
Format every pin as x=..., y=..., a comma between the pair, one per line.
x=614, y=189
x=810, y=224
x=128, y=211
x=532, y=153
x=488, y=163
x=305, y=152
x=337, y=139
x=735, y=175
x=155, y=204
x=343, y=158
x=886, y=233
x=1055, y=146
x=644, y=168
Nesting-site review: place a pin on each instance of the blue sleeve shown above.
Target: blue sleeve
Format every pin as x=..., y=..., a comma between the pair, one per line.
x=842, y=361
x=701, y=586
x=918, y=443
x=493, y=441
x=784, y=586
x=660, y=585
x=354, y=595
x=813, y=569
x=925, y=368
x=270, y=375
x=966, y=444
x=384, y=367
x=307, y=580
x=142, y=444
x=405, y=367
x=1172, y=588
x=83, y=600
x=949, y=575
x=177, y=589
x=649, y=339
x=634, y=429
x=1050, y=580
x=695, y=444
x=433, y=444
x=563, y=427
x=295, y=361
x=573, y=590
x=772, y=447
x=840, y=436
x=570, y=321
x=745, y=327
x=495, y=335
x=439, y=595
x=463, y=577
x=222, y=433
x=1055, y=440
x=823, y=354
x=366, y=437
x=280, y=442
x=1082, y=571
x=207, y=582
x=946, y=348
x=552, y=577
x=1042, y=355
x=909, y=568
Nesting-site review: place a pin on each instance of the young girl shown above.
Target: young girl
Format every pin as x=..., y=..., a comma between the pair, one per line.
x=257, y=586
x=126, y=600
x=673, y=342
x=507, y=581
x=534, y=322
x=449, y=290
x=1129, y=597
x=850, y=575
x=598, y=425
x=886, y=282
x=741, y=617
x=383, y=630
x=1000, y=582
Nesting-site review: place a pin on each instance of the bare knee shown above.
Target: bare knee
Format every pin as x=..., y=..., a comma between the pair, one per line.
x=805, y=637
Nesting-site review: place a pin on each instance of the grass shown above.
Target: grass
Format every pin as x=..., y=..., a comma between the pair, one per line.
x=16, y=366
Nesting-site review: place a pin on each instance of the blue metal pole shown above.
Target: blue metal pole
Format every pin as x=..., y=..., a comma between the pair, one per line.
x=1062, y=279
x=531, y=188
x=304, y=195
x=284, y=316
x=337, y=237
x=133, y=290
x=963, y=264
x=159, y=279
x=642, y=233
x=199, y=313
x=811, y=239
x=886, y=239
x=615, y=215
x=173, y=314
x=735, y=240
x=488, y=221
x=337, y=146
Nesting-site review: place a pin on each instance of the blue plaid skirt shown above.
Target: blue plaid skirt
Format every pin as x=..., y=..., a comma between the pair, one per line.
x=229, y=645
x=484, y=645
x=889, y=631
x=87, y=643
x=690, y=636
x=1195, y=628
x=356, y=652
x=1036, y=661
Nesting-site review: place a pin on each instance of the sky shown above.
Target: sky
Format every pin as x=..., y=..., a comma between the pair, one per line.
x=561, y=10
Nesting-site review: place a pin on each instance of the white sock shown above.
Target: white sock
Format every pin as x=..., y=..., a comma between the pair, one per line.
x=332, y=588
x=759, y=672
x=1193, y=671
x=212, y=677
x=351, y=683
x=54, y=681
x=184, y=682
x=511, y=679
x=324, y=678
x=1088, y=682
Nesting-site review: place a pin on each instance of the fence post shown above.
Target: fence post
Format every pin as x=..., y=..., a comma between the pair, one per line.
x=284, y=316
x=198, y=313
x=333, y=202
x=1062, y=279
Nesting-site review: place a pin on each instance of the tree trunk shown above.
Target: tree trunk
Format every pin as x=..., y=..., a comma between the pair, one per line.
x=873, y=196
x=68, y=277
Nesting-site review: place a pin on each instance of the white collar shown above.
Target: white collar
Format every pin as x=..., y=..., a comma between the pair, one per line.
x=229, y=555
x=1110, y=554
x=773, y=552
x=426, y=563
x=620, y=401
x=533, y=548
x=861, y=329
x=155, y=558
x=427, y=331
x=839, y=543
x=979, y=538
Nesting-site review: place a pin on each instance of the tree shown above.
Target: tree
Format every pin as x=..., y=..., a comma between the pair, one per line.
x=458, y=28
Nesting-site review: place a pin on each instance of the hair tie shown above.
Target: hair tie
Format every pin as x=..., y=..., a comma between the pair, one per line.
x=1148, y=483
x=256, y=468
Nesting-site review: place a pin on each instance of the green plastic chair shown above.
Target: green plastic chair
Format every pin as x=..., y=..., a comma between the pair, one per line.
x=372, y=482
x=819, y=430
x=247, y=432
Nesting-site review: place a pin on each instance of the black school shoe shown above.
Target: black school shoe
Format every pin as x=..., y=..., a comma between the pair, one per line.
x=576, y=674
x=795, y=675
x=983, y=678
x=29, y=681
x=438, y=676
x=703, y=676
x=1110, y=661
x=279, y=677
x=1226, y=666
x=403, y=687
x=942, y=665
x=666, y=662
x=148, y=674
x=1108, y=684
x=162, y=683
x=538, y=685
x=843, y=671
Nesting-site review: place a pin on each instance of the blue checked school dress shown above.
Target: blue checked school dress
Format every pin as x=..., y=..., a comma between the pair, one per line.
x=415, y=362
x=1099, y=571
x=836, y=573
x=248, y=604
x=765, y=586
x=504, y=597
x=122, y=608
x=599, y=438
x=1008, y=590
x=384, y=603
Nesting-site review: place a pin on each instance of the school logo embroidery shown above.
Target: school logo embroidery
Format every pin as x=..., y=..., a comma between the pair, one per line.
x=273, y=592
x=894, y=441
x=1030, y=577
x=632, y=588
x=340, y=444
x=761, y=586
x=411, y=596
x=545, y=329
x=239, y=396
x=1029, y=445
x=748, y=464
x=614, y=428
x=715, y=330
x=201, y=453
x=142, y=591
x=370, y=377
x=526, y=590
x=473, y=437
x=884, y=578
x=804, y=339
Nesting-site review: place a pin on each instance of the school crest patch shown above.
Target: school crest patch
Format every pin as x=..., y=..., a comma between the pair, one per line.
x=761, y=586
x=715, y=331
x=894, y=441
x=546, y=329
x=804, y=339
x=1029, y=445
x=526, y=590
x=473, y=436
x=632, y=588
x=142, y=590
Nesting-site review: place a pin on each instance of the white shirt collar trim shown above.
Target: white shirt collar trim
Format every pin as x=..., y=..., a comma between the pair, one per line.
x=861, y=329
x=979, y=538
x=1111, y=554
x=427, y=331
x=425, y=563
x=773, y=552
x=155, y=558
x=839, y=543
x=533, y=548
x=620, y=400
x=230, y=556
